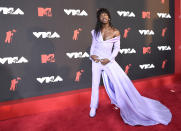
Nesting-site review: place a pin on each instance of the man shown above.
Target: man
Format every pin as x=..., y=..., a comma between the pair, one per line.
x=134, y=108
x=108, y=32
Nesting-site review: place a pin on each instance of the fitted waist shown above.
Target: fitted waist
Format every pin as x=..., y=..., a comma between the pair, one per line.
x=101, y=54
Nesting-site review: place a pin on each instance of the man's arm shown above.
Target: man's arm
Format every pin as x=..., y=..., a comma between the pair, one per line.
x=116, y=47
x=92, y=56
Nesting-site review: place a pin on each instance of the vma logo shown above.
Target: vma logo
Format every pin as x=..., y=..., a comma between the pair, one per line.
x=14, y=83
x=76, y=33
x=163, y=15
x=147, y=66
x=145, y=14
x=164, y=63
x=9, y=36
x=146, y=32
x=75, y=12
x=126, y=14
x=47, y=58
x=46, y=35
x=163, y=48
x=146, y=50
x=12, y=60
x=44, y=12
x=126, y=32
x=164, y=31
x=78, y=75
x=49, y=79
x=127, y=68
x=127, y=51
x=11, y=11
x=77, y=55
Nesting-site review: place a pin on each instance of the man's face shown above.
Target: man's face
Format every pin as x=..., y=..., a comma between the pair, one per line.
x=104, y=18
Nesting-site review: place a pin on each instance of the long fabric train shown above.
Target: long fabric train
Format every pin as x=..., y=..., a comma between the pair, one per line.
x=134, y=108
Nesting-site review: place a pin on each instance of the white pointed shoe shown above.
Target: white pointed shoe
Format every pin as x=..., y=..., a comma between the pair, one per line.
x=92, y=112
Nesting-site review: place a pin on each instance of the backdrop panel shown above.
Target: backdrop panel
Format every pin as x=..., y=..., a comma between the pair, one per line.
x=44, y=45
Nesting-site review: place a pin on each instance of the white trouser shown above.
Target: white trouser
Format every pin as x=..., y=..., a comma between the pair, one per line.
x=97, y=69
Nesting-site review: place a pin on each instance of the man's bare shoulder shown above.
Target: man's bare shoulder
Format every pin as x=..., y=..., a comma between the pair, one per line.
x=116, y=32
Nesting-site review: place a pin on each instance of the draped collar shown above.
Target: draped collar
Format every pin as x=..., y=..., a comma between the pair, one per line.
x=100, y=38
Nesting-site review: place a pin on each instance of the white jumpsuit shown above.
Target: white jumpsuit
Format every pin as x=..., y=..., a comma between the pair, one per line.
x=103, y=49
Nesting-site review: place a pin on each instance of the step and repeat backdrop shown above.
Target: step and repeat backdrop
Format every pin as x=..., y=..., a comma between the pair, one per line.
x=45, y=45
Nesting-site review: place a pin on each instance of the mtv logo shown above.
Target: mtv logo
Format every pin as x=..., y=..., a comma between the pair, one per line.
x=145, y=15
x=44, y=11
x=47, y=58
x=146, y=50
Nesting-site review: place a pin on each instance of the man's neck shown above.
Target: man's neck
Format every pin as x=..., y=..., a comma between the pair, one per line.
x=105, y=26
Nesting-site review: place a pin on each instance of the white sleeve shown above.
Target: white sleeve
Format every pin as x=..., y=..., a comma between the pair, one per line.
x=115, y=50
x=92, y=45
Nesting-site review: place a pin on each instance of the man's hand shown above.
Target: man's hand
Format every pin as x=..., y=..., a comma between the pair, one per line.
x=95, y=58
x=104, y=61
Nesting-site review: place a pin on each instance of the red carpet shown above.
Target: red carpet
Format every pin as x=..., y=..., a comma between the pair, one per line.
x=107, y=118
